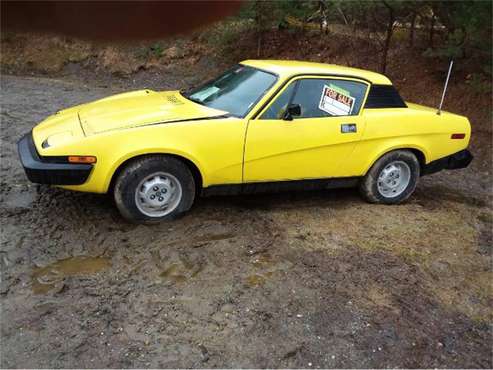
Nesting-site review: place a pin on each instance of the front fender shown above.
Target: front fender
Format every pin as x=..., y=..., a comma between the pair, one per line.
x=149, y=151
x=215, y=147
x=114, y=149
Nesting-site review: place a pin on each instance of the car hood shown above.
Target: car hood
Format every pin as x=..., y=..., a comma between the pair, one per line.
x=140, y=108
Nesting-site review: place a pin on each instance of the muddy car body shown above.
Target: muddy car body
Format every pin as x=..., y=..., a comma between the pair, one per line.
x=263, y=125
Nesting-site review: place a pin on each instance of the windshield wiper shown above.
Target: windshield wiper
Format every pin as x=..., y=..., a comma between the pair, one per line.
x=195, y=100
x=185, y=94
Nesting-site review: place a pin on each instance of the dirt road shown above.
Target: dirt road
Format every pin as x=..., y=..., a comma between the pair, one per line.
x=306, y=280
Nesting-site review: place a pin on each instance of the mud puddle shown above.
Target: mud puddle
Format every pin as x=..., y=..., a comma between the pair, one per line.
x=45, y=279
x=266, y=267
x=181, y=271
x=203, y=240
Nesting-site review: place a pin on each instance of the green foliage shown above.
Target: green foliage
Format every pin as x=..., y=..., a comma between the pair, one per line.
x=449, y=50
x=460, y=29
x=469, y=26
x=295, y=8
x=156, y=50
x=267, y=14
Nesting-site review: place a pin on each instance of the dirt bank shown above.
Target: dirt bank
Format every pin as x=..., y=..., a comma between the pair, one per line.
x=291, y=280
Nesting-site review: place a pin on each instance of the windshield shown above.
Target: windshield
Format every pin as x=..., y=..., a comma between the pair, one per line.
x=236, y=91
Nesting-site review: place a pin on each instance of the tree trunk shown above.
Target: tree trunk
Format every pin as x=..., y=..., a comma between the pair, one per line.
x=432, y=31
x=258, y=26
x=346, y=22
x=388, y=36
x=322, y=8
x=411, y=31
x=259, y=44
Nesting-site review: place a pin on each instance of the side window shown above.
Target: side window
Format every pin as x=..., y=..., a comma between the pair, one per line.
x=329, y=98
x=277, y=108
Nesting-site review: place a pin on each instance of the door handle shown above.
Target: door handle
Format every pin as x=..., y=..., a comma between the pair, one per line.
x=347, y=128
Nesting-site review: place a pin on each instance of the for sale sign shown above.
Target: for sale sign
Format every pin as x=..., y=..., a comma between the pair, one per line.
x=336, y=101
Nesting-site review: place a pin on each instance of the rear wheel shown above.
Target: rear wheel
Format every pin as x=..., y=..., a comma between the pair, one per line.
x=153, y=189
x=392, y=179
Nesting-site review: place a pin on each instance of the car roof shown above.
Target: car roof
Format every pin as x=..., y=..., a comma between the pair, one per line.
x=288, y=68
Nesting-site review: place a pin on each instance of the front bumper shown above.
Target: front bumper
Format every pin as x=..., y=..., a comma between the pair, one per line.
x=50, y=170
x=455, y=161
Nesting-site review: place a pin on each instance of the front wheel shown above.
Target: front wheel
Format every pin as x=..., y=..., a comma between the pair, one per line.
x=392, y=179
x=155, y=188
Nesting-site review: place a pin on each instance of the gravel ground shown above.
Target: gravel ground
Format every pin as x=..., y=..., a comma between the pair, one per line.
x=299, y=280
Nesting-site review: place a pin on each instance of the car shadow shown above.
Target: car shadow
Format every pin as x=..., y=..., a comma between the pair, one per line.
x=283, y=200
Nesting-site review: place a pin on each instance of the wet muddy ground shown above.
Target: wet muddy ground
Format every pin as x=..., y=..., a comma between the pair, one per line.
x=305, y=280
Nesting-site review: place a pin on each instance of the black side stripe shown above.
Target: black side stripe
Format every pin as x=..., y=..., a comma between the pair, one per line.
x=188, y=120
x=172, y=121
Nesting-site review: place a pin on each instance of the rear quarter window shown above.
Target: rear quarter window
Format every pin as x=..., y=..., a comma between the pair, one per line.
x=384, y=96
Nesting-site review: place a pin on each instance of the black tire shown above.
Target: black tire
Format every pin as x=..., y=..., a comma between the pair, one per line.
x=136, y=171
x=369, y=185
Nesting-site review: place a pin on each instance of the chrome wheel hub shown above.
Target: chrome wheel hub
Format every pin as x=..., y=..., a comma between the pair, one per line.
x=394, y=179
x=158, y=194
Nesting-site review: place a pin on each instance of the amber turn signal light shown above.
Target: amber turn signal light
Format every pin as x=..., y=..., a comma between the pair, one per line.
x=81, y=159
x=458, y=136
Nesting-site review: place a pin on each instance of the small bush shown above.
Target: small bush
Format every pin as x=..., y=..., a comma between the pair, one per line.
x=222, y=36
x=155, y=50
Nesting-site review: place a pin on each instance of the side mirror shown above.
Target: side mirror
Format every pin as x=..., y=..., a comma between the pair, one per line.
x=292, y=110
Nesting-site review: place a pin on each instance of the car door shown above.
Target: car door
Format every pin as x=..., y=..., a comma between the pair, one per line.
x=316, y=144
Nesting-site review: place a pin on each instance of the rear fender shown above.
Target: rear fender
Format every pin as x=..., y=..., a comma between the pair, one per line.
x=400, y=146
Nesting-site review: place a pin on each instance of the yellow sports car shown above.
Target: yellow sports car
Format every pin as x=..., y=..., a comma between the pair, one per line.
x=262, y=125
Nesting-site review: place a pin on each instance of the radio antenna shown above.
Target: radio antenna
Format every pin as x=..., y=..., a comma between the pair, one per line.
x=445, y=87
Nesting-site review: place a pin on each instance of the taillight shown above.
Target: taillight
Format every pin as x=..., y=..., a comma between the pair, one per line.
x=458, y=136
